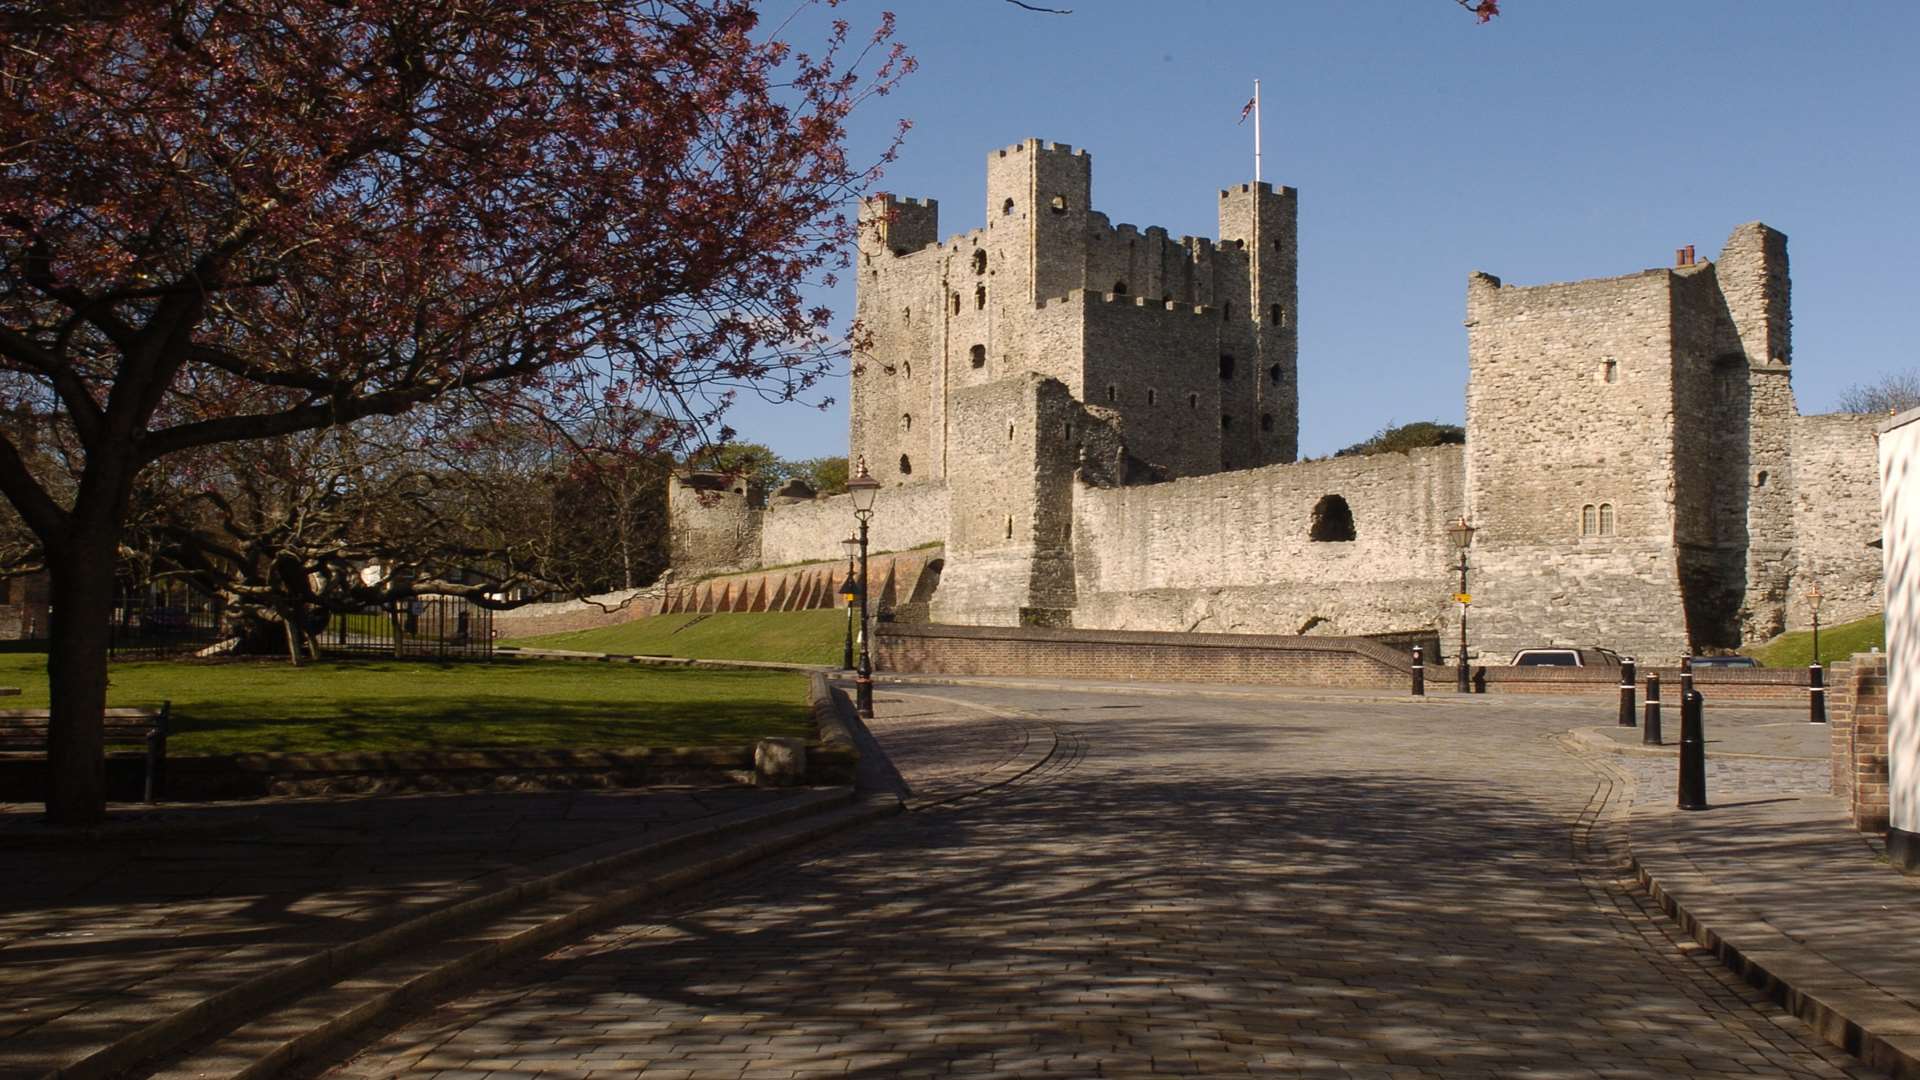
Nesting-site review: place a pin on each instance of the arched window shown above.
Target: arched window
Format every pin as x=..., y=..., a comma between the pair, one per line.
x=1006, y=208
x=1589, y=520
x=1120, y=288
x=1193, y=401
x=978, y=355
x=1009, y=526
x=1606, y=519
x=1226, y=422
x=1151, y=395
x=906, y=315
x=1113, y=393
x=1332, y=520
x=1266, y=421
x=979, y=297
x=1059, y=204
x=956, y=303
x=979, y=261
x=906, y=466
x=1273, y=374
x=1279, y=316
x=906, y=369
x=1609, y=370
x=1226, y=366
x=1226, y=310
x=906, y=421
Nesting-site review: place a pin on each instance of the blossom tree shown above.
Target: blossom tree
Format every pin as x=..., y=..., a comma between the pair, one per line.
x=241, y=220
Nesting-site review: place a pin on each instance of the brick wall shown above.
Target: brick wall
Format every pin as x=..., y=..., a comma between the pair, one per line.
x=1857, y=714
x=1143, y=656
x=1784, y=685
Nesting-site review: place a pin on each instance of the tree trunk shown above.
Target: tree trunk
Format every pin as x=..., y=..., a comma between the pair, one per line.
x=82, y=603
x=293, y=638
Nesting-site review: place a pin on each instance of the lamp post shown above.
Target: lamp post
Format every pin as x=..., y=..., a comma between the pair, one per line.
x=849, y=592
x=1816, y=672
x=1461, y=533
x=862, y=489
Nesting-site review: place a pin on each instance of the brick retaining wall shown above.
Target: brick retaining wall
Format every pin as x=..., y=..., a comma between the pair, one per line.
x=1785, y=685
x=1140, y=655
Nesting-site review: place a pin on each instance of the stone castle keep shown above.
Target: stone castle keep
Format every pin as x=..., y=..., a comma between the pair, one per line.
x=1099, y=424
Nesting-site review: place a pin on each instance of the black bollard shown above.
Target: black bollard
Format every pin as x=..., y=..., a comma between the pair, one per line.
x=1816, y=694
x=1419, y=672
x=1626, y=692
x=1650, y=731
x=1693, y=749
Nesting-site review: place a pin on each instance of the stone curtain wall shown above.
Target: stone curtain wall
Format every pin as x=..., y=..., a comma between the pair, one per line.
x=1232, y=553
x=1836, y=515
x=713, y=523
x=1144, y=657
x=566, y=616
x=904, y=516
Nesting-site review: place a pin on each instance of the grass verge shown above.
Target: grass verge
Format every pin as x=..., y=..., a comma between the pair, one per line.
x=246, y=706
x=793, y=637
x=1795, y=649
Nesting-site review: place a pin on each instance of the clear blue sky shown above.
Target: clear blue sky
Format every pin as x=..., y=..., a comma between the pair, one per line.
x=1561, y=141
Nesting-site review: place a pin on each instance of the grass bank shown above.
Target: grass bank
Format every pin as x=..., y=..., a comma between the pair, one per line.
x=245, y=706
x=1795, y=649
x=793, y=637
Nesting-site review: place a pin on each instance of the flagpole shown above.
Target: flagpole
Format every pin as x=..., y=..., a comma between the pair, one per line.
x=1256, y=131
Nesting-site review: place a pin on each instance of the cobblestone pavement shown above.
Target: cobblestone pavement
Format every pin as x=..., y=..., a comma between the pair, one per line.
x=1198, y=888
x=98, y=938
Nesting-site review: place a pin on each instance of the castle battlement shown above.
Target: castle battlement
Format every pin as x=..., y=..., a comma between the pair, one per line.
x=1045, y=147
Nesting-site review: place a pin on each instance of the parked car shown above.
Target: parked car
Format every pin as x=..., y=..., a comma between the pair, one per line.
x=1725, y=662
x=1566, y=656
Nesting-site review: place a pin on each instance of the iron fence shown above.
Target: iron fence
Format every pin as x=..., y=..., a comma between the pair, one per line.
x=443, y=627
x=145, y=628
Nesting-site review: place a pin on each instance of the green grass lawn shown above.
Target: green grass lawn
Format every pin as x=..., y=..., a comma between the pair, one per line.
x=242, y=706
x=1836, y=643
x=794, y=637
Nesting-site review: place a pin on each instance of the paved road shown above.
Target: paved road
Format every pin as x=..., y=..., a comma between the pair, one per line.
x=1184, y=887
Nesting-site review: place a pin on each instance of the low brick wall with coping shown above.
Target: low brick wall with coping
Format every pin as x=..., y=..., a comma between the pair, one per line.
x=1783, y=685
x=1141, y=656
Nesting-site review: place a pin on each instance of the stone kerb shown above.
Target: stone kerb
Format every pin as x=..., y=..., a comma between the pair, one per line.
x=1141, y=655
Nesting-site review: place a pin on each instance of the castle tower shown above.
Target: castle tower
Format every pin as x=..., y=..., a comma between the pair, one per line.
x=1264, y=222
x=897, y=401
x=1042, y=191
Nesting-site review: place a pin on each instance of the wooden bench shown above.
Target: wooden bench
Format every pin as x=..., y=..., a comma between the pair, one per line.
x=25, y=730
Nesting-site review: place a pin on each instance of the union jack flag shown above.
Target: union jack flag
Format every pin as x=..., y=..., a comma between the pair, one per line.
x=1246, y=111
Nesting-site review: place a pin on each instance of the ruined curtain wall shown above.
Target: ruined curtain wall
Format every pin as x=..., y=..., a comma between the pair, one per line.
x=1836, y=514
x=1232, y=552
x=904, y=516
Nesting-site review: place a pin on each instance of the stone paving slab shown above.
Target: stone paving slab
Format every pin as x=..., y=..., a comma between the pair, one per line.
x=1783, y=891
x=102, y=936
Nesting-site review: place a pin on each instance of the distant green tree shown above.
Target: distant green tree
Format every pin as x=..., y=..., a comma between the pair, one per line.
x=758, y=464
x=1405, y=437
x=828, y=475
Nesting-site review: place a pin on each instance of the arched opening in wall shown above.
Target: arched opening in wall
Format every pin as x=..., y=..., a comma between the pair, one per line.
x=1609, y=371
x=979, y=261
x=1006, y=208
x=1152, y=394
x=1058, y=205
x=956, y=303
x=1760, y=479
x=906, y=421
x=977, y=356
x=1266, y=421
x=1606, y=519
x=1113, y=393
x=1278, y=316
x=1226, y=366
x=1226, y=311
x=1009, y=432
x=1119, y=288
x=906, y=315
x=979, y=297
x=1273, y=374
x=1069, y=433
x=1226, y=422
x=1278, y=245
x=906, y=369
x=1009, y=526
x=906, y=465
x=1193, y=401
x=1332, y=520
x=1589, y=520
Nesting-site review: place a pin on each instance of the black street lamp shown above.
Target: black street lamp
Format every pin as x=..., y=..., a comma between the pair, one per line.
x=849, y=593
x=1816, y=671
x=863, y=488
x=1462, y=535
